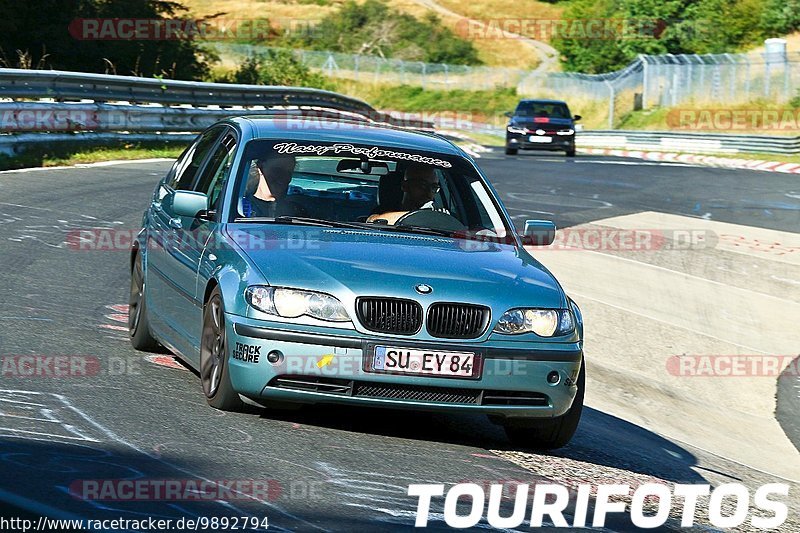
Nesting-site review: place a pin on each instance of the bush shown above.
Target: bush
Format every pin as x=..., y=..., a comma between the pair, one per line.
x=276, y=67
x=377, y=29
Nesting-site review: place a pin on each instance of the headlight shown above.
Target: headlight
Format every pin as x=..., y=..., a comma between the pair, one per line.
x=543, y=322
x=513, y=129
x=565, y=132
x=292, y=303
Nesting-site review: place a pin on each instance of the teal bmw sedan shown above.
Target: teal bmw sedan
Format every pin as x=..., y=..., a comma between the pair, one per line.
x=347, y=262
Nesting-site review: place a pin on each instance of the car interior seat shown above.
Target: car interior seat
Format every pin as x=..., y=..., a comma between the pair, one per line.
x=390, y=192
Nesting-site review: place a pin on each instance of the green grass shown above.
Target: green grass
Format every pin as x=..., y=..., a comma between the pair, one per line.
x=667, y=119
x=763, y=157
x=649, y=119
x=485, y=139
x=482, y=104
x=454, y=106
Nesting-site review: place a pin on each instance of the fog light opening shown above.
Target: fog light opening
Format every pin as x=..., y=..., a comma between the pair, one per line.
x=553, y=377
x=275, y=357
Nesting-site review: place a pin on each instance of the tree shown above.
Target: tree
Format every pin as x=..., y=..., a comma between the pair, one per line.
x=52, y=34
x=277, y=67
x=681, y=27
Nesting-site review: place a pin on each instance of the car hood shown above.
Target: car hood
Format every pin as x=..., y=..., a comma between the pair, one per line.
x=349, y=263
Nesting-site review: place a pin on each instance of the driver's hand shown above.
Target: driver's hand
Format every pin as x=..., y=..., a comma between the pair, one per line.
x=391, y=217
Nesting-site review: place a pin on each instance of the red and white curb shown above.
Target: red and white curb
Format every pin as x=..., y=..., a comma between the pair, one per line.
x=698, y=159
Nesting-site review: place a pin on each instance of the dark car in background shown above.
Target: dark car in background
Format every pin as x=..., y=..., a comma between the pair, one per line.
x=541, y=125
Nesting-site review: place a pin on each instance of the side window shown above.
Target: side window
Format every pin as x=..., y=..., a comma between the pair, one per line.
x=186, y=167
x=213, y=177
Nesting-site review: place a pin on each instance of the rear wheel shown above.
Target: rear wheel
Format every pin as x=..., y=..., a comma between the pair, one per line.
x=138, y=323
x=549, y=433
x=214, y=374
x=511, y=151
x=571, y=153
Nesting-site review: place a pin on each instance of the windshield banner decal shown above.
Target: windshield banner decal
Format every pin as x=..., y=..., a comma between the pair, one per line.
x=372, y=152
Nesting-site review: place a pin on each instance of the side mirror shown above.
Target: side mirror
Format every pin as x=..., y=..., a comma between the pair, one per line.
x=189, y=203
x=577, y=117
x=509, y=114
x=539, y=233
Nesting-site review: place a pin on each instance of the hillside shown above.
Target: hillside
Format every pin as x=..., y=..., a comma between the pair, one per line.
x=507, y=51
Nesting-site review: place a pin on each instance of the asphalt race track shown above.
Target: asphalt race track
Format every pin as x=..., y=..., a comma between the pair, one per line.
x=334, y=469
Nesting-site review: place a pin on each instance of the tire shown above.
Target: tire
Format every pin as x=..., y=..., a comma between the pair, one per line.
x=138, y=323
x=550, y=433
x=570, y=153
x=214, y=376
x=511, y=151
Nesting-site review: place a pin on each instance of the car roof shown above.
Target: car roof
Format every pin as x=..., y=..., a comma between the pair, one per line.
x=343, y=130
x=541, y=101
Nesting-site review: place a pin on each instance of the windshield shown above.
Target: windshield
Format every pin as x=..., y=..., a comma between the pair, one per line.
x=542, y=109
x=383, y=188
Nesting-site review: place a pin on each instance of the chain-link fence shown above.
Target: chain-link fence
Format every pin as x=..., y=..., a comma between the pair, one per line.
x=375, y=69
x=721, y=78
x=649, y=81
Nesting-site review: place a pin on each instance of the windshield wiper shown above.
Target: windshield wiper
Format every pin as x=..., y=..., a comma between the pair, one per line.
x=308, y=221
x=304, y=221
x=417, y=229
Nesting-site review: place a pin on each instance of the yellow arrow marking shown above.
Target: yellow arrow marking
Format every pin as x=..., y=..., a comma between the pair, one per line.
x=325, y=360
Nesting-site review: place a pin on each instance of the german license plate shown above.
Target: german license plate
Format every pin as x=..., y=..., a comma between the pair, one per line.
x=540, y=139
x=425, y=362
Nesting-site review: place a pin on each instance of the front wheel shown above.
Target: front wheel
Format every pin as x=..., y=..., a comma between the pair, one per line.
x=214, y=375
x=549, y=433
x=138, y=323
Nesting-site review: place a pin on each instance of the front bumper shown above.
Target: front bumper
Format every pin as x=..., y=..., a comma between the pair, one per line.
x=522, y=142
x=329, y=367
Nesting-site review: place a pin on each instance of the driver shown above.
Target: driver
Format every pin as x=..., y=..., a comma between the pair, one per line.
x=419, y=186
x=267, y=196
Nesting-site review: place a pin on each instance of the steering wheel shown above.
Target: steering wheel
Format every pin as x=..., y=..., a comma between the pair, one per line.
x=428, y=218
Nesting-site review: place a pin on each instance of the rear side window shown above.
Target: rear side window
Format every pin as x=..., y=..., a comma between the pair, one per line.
x=191, y=160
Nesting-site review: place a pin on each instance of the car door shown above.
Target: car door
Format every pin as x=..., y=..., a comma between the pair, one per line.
x=195, y=233
x=166, y=295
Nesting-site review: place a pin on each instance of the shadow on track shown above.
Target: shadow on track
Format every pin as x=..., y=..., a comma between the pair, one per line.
x=601, y=439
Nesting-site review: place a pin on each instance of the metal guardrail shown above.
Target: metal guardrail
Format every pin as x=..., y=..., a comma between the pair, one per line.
x=80, y=116
x=689, y=142
x=25, y=141
x=62, y=85
x=59, y=101
x=151, y=109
